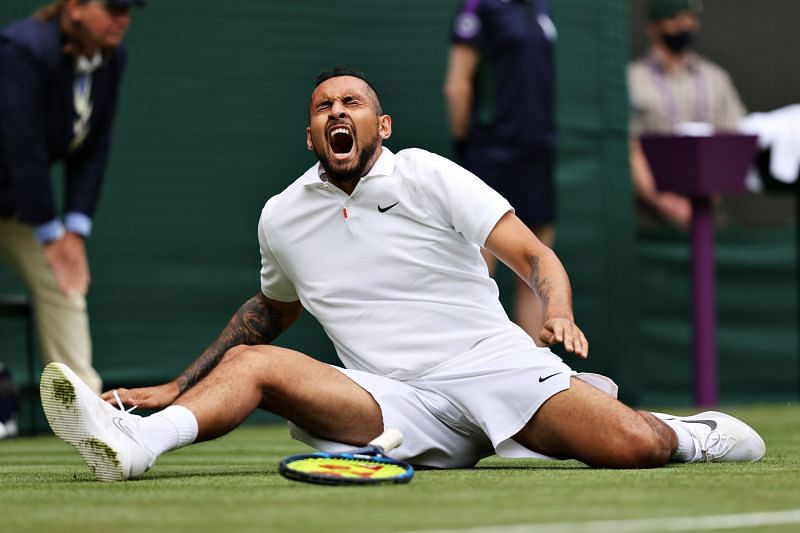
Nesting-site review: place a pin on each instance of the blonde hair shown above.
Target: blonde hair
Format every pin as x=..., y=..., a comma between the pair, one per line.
x=50, y=11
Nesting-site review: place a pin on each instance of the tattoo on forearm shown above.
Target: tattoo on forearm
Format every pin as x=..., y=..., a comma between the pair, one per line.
x=542, y=286
x=256, y=322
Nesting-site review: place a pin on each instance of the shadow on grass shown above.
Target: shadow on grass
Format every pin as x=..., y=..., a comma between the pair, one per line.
x=160, y=475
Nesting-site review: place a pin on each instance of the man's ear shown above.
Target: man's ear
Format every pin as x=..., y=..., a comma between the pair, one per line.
x=385, y=126
x=73, y=9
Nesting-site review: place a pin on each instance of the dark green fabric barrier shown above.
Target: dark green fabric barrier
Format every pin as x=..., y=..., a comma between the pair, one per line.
x=212, y=123
x=757, y=315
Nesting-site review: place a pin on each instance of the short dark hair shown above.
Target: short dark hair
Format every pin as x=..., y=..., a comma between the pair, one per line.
x=344, y=70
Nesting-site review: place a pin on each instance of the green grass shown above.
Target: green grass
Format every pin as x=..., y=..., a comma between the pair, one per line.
x=232, y=485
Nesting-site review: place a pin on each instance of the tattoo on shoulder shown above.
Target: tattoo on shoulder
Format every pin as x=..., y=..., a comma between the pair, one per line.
x=255, y=322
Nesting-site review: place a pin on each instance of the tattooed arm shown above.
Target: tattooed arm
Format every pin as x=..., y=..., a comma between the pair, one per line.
x=258, y=321
x=515, y=245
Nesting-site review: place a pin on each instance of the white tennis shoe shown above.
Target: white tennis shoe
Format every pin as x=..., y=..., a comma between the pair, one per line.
x=721, y=438
x=107, y=438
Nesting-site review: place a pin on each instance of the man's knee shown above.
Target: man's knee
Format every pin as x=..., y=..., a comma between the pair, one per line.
x=251, y=356
x=264, y=364
x=642, y=447
x=586, y=424
x=234, y=353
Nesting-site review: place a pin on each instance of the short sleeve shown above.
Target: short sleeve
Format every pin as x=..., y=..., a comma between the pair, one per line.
x=275, y=284
x=467, y=27
x=464, y=200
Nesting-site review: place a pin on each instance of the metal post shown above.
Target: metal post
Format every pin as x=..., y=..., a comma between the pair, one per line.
x=706, y=384
x=797, y=271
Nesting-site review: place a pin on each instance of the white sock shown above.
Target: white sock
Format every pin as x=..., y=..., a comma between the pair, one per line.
x=174, y=427
x=688, y=451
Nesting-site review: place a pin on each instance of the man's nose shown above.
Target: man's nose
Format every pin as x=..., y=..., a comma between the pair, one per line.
x=338, y=110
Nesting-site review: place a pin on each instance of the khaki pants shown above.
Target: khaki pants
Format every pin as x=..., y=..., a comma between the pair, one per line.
x=62, y=322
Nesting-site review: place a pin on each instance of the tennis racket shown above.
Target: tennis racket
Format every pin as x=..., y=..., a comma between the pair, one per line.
x=361, y=466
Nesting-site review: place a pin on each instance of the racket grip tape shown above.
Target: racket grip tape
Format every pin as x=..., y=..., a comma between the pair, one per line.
x=388, y=440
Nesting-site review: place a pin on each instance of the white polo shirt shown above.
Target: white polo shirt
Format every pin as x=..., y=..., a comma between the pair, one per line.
x=393, y=272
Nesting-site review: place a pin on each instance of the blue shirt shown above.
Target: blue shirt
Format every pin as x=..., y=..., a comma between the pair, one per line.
x=37, y=114
x=514, y=85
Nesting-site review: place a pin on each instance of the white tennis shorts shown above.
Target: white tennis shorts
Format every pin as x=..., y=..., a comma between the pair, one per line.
x=460, y=413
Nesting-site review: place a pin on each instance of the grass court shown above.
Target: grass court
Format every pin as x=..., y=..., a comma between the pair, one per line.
x=232, y=485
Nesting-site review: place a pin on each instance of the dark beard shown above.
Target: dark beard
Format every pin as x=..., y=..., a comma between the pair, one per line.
x=354, y=173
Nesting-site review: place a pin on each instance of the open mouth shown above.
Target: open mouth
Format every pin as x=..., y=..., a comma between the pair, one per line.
x=341, y=140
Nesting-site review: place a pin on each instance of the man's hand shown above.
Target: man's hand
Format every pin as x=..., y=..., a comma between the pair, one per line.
x=565, y=331
x=157, y=397
x=66, y=257
x=676, y=209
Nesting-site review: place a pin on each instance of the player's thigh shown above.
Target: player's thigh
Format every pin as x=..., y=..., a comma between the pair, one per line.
x=586, y=424
x=420, y=416
x=312, y=394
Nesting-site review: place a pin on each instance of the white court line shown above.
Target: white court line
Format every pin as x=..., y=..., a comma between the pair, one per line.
x=681, y=523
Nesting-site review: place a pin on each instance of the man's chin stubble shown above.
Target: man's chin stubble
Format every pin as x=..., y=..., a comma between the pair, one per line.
x=354, y=172
x=349, y=173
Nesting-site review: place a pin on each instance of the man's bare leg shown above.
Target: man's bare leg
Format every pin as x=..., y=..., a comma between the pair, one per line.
x=311, y=394
x=586, y=424
x=288, y=383
x=117, y=445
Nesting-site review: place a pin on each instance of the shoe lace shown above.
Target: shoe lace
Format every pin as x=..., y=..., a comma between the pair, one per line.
x=715, y=446
x=120, y=405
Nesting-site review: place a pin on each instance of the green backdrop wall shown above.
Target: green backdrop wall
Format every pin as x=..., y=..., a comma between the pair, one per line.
x=212, y=123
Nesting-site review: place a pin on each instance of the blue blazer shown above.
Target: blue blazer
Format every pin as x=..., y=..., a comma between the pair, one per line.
x=36, y=123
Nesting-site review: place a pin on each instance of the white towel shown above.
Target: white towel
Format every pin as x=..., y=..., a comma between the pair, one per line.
x=778, y=131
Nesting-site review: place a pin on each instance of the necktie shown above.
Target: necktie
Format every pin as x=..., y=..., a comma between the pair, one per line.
x=82, y=97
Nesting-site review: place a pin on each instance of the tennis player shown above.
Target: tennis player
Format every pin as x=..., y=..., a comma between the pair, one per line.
x=384, y=250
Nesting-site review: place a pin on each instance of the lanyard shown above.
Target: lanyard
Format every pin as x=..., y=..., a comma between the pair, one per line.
x=701, y=113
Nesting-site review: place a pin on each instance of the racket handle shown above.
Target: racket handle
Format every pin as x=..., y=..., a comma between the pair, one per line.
x=388, y=440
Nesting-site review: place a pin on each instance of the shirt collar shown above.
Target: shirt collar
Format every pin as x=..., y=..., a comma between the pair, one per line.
x=384, y=166
x=87, y=65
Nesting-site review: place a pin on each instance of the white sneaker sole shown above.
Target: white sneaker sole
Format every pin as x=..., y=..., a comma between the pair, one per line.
x=60, y=400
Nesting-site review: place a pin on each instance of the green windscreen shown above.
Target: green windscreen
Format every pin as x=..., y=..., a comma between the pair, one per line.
x=212, y=123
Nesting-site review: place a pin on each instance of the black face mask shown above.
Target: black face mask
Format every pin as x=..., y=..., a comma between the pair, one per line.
x=678, y=42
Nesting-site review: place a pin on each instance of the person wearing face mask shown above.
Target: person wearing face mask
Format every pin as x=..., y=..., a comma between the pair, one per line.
x=669, y=86
x=60, y=73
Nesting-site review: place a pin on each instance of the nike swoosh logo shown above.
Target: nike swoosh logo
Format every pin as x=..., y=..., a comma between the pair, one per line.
x=710, y=423
x=118, y=422
x=548, y=377
x=384, y=209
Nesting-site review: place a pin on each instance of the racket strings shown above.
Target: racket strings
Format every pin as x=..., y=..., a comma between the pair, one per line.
x=342, y=467
x=345, y=466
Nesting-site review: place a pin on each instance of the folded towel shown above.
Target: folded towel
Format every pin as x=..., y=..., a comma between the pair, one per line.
x=778, y=131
